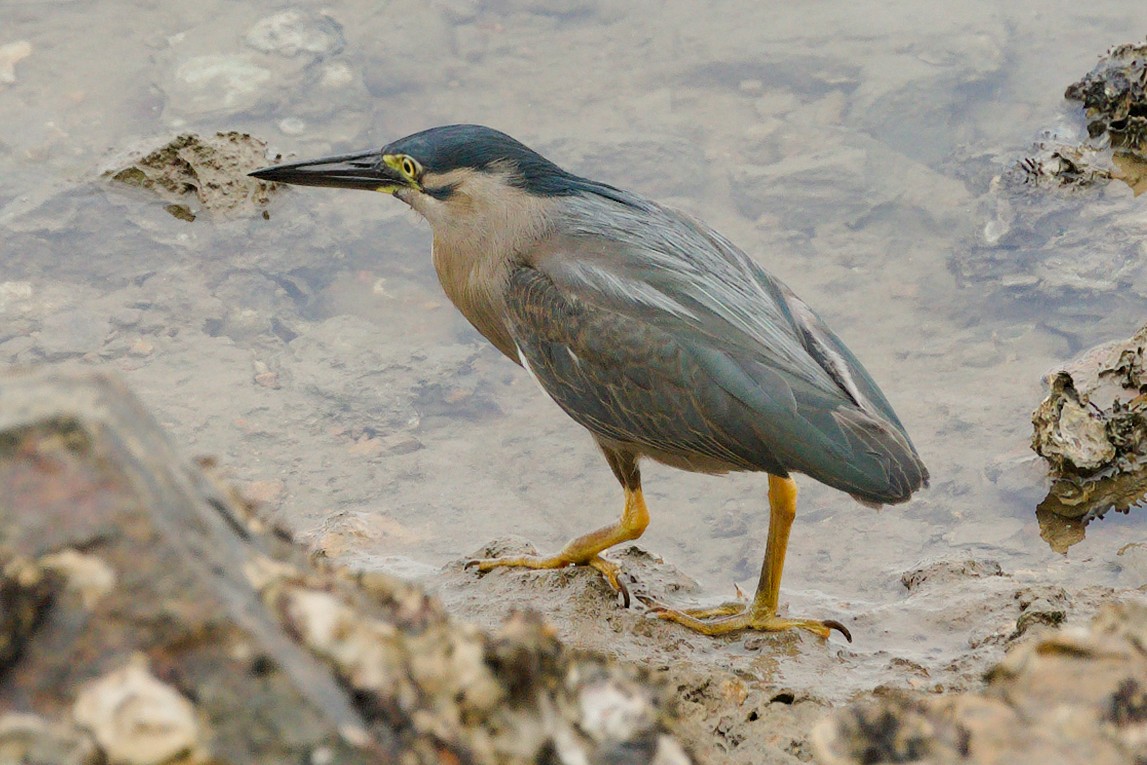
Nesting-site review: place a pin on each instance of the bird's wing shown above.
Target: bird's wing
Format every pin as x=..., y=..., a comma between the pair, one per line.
x=704, y=355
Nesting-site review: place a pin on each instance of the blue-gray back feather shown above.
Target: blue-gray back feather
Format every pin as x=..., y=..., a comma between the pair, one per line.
x=753, y=375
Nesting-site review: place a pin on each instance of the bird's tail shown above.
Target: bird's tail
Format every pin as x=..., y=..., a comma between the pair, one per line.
x=886, y=468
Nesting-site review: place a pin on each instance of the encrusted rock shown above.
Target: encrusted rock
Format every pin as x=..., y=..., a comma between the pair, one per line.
x=137, y=719
x=1073, y=695
x=1068, y=432
x=1114, y=96
x=196, y=174
x=142, y=602
x=32, y=739
x=1092, y=430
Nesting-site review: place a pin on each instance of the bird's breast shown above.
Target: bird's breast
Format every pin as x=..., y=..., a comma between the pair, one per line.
x=476, y=286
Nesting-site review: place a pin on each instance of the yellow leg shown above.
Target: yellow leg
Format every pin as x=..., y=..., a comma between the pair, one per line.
x=586, y=550
x=761, y=613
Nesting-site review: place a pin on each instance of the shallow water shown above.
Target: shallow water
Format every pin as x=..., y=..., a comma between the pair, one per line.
x=849, y=147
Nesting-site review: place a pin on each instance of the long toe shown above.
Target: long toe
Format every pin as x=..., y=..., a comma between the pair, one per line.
x=722, y=623
x=729, y=608
x=610, y=571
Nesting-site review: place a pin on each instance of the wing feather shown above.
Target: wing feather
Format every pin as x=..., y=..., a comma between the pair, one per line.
x=677, y=342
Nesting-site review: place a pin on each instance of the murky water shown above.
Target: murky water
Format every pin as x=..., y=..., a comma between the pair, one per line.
x=849, y=147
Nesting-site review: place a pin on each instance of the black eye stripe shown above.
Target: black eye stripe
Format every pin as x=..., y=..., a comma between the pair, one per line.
x=440, y=192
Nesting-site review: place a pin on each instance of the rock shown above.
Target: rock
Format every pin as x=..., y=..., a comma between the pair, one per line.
x=1049, y=233
x=32, y=739
x=1114, y=96
x=136, y=719
x=10, y=55
x=215, y=83
x=68, y=333
x=1072, y=695
x=949, y=570
x=294, y=32
x=1055, y=163
x=1068, y=433
x=1096, y=451
x=144, y=603
x=196, y=174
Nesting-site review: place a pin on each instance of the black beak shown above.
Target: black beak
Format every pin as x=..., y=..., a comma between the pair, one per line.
x=364, y=171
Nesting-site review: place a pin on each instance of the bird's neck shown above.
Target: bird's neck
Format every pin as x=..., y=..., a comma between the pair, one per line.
x=474, y=255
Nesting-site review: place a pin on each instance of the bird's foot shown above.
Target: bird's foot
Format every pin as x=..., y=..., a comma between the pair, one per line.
x=608, y=569
x=735, y=616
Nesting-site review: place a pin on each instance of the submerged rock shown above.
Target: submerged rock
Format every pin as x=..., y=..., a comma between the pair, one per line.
x=10, y=55
x=297, y=32
x=218, y=83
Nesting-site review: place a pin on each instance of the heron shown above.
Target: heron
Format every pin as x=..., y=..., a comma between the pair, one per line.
x=649, y=329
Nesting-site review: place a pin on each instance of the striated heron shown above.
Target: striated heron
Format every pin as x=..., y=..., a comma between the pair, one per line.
x=651, y=330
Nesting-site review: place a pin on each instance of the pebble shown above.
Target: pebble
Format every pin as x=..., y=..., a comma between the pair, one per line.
x=292, y=126
x=128, y=317
x=86, y=574
x=337, y=75
x=141, y=348
x=268, y=379
x=10, y=55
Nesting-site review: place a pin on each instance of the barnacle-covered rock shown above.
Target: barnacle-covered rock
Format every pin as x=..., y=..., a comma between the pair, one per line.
x=136, y=718
x=1057, y=163
x=1092, y=430
x=147, y=616
x=1072, y=695
x=194, y=174
x=1114, y=96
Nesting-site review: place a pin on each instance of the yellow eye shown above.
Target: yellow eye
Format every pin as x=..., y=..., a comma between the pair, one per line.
x=409, y=167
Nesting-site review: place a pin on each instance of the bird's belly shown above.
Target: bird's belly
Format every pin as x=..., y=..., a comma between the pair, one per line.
x=691, y=462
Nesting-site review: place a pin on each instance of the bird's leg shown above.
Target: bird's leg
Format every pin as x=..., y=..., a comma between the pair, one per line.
x=761, y=612
x=586, y=550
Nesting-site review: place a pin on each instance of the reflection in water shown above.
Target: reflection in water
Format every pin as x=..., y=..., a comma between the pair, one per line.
x=1073, y=502
x=1132, y=170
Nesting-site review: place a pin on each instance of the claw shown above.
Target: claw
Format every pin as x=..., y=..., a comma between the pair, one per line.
x=835, y=625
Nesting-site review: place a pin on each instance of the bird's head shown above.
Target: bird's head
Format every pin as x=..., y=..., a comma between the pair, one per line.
x=445, y=173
